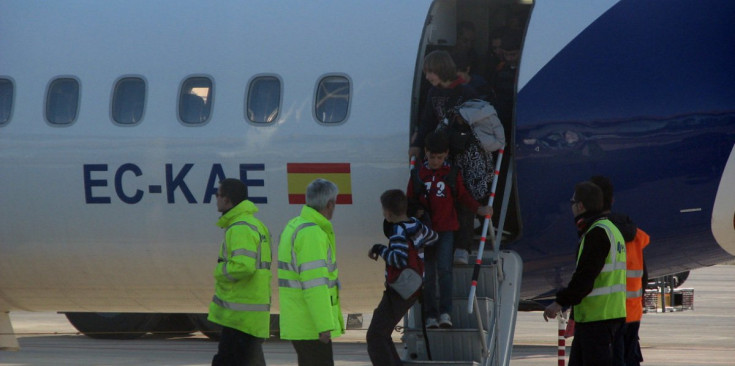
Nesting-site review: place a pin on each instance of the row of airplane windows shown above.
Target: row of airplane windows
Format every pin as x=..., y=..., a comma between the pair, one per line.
x=195, y=104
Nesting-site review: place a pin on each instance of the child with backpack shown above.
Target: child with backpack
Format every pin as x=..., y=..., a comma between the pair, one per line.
x=403, y=271
x=436, y=185
x=477, y=121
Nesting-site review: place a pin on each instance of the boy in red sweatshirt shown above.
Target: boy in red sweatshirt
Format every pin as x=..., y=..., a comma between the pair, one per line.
x=442, y=187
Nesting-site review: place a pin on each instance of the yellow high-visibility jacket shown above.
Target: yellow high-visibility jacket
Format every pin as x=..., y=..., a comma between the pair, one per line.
x=308, y=278
x=607, y=299
x=242, y=276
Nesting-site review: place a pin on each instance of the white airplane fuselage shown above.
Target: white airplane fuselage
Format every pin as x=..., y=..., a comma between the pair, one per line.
x=103, y=217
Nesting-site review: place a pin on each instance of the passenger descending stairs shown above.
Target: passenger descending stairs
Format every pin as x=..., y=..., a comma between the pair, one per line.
x=463, y=344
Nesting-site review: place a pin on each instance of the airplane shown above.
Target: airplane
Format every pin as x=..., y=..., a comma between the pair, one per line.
x=118, y=118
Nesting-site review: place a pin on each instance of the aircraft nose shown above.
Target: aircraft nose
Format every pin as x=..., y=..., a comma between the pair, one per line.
x=723, y=215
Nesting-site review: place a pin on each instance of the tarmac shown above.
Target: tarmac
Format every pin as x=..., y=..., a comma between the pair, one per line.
x=699, y=337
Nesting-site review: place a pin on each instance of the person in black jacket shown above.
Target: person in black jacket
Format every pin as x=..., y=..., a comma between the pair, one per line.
x=447, y=91
x=624, y=223
x=593, y=339
x=626, y=347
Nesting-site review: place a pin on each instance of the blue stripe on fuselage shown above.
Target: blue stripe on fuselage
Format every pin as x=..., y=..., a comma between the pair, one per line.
x=646, y=96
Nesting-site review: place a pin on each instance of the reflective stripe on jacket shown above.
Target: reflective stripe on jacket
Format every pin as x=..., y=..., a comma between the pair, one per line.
x=607, y=299
x=242, y=276
x=308, y=278
x=634, y=284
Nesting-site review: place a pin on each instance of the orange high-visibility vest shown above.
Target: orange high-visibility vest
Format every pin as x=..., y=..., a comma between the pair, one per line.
x=634, y=273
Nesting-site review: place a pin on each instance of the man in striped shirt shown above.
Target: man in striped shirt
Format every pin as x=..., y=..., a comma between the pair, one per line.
x=406, y=236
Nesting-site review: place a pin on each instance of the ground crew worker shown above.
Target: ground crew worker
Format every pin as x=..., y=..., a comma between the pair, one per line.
x=626, y=348
x=241, y=302
x=597, y=287
x=308, y=278
x=627, y=343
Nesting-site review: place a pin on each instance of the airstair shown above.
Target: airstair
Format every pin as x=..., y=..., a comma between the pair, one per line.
x=483, y=337
x=484, y=305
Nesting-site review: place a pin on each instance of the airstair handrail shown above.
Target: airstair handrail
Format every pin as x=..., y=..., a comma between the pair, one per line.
x=472, y=300
x=480, y=330
x=485, y=226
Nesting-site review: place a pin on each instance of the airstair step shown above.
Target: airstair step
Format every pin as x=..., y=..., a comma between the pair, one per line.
x=445, y=344
x=462, y=280
x=463, y=344
x=460, y=317
x=441, y=363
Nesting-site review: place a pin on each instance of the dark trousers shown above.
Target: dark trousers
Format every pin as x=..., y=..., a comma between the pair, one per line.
x=465, y=235
x=627, y=350
x=592, y=344
x=314, y=353
x=238, y=349
x=438, y=271
x=386, y=316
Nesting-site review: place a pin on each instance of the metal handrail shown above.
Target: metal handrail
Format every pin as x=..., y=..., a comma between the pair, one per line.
x=483, y=341
x=485, y=225
x=472, y=300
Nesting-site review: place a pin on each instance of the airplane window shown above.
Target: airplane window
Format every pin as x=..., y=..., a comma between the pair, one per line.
x=62, y=101
x=6, y=100
x=332, y=99
x=195, y=100
x=264, y=99
x=128, y=101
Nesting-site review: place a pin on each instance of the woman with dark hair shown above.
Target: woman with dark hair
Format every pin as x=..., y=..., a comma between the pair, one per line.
x=447, y=91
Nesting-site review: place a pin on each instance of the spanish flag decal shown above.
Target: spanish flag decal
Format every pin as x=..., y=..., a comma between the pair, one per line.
x=301, y=174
